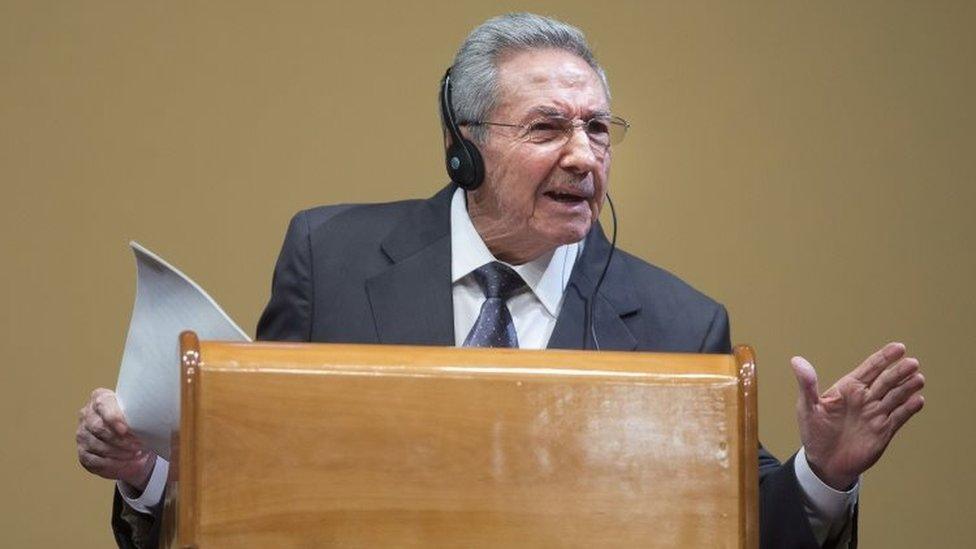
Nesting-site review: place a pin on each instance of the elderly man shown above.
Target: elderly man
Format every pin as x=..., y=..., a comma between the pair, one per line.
x=510, y=254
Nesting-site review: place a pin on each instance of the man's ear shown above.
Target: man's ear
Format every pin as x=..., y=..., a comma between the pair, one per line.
x=465, y=133
x=468, y=134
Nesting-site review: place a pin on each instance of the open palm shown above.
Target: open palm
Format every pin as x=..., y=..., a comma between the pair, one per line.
x=846, y=429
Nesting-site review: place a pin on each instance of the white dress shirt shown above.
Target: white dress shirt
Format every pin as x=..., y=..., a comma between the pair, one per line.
x=534, y=312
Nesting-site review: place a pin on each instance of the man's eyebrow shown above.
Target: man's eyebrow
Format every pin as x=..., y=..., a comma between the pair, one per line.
x=546, y=110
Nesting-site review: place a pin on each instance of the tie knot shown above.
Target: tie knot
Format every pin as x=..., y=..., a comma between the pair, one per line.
x=498, y=280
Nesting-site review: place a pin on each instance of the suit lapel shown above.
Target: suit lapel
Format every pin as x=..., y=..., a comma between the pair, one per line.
x=411, y=301
x=614, y=301
x=611, y=332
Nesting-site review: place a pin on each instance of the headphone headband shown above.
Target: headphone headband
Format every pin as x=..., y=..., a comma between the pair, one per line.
x=464, y=164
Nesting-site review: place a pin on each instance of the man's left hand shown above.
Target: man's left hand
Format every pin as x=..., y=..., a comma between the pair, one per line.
x=847, y=428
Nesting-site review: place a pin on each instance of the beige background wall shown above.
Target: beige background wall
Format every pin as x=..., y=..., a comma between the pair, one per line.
x=811, y=165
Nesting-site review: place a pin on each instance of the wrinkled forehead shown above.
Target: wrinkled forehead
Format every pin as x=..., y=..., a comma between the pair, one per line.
x=548, y=82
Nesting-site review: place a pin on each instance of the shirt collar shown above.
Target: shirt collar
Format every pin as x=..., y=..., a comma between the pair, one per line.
x=547, y=275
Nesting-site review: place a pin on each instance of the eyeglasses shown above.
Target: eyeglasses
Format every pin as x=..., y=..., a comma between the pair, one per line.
x=602, y=131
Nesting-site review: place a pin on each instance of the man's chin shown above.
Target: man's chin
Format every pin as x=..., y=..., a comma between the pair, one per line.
x=571, y=233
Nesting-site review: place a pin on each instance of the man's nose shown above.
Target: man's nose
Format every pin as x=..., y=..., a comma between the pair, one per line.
x=578, y=154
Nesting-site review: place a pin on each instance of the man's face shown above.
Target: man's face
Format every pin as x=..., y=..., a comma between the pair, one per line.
x=539, y=195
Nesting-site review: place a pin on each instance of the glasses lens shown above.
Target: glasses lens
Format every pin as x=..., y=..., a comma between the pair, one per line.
x=598, y=130
x=618, y=129
x=602, y=131
x=545, y=130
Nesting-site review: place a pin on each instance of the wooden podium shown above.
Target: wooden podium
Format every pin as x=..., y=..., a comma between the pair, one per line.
x=314, y=445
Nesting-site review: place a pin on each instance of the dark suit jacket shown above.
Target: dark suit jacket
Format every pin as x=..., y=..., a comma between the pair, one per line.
x=381, y=273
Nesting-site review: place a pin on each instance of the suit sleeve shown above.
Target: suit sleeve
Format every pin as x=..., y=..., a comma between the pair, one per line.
x=783, y=522
x=717, y=340
x=132, y=529
x=288, y=316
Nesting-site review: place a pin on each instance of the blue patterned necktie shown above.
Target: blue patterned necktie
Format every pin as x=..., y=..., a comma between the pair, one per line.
x=494, y=326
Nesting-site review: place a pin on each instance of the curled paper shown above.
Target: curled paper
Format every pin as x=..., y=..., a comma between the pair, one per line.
x=167, y=303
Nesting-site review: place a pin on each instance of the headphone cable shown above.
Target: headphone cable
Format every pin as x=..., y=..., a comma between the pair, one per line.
x=590, y=327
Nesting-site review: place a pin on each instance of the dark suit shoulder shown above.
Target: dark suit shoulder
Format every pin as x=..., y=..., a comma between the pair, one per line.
x=365, y=217
x=665, y=284
x=673, y=314
x=327, y=251
x=351, y=235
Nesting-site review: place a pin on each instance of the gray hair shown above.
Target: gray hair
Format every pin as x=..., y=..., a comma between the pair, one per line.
x=474, y=74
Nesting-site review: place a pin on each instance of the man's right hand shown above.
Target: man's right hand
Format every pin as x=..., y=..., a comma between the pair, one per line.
x=106, y=445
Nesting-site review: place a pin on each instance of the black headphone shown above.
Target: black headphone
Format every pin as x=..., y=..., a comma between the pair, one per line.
x=464, y=164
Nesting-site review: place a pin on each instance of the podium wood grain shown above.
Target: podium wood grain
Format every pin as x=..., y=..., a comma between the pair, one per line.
x=314, y=445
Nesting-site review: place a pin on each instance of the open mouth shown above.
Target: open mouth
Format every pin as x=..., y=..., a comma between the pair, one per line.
x=567, y=198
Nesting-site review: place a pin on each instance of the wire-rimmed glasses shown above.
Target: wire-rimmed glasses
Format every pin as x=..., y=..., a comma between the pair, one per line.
x=602, y=131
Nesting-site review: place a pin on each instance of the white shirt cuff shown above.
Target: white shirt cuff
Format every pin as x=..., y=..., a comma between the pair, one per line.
x=828, y=510
x=153, y=494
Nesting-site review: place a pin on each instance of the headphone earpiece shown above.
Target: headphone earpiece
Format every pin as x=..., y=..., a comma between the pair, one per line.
x=464, y=164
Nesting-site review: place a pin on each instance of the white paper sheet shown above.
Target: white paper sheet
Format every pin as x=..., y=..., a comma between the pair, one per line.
x=167, y=303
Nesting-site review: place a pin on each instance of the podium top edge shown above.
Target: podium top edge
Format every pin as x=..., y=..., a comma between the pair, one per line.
x=335, y=358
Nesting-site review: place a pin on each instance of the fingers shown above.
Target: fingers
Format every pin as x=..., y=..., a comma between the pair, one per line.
x=106, y=405
x=872, y=366
x=94, y=424
x=106, y=445
x=105, y=442
x=89, y=443
x=107, y=467
x=903, y=413
x=97, y=464
x=900, y=394
x=103, y=417
x=806, y=380
x=892, y=377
